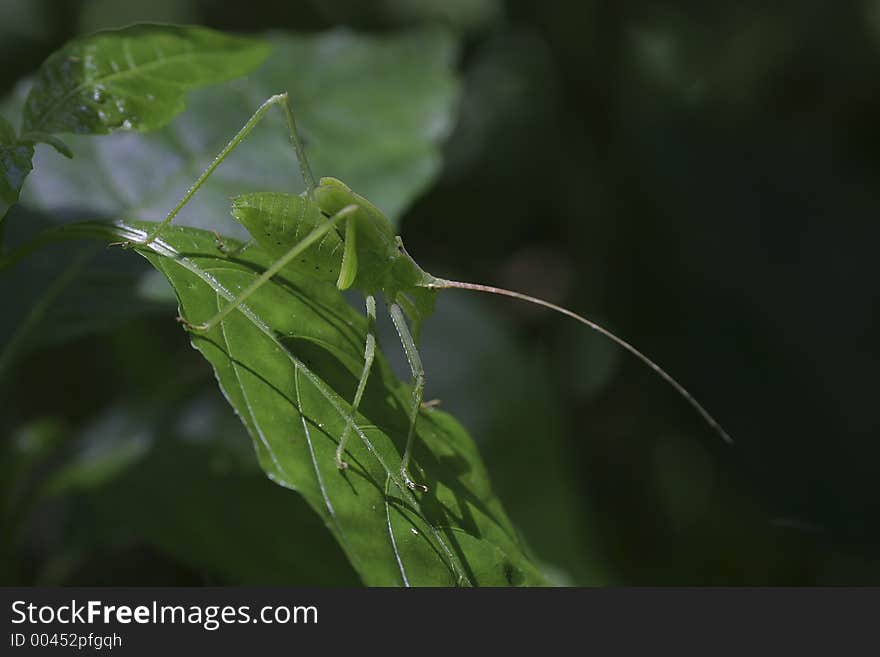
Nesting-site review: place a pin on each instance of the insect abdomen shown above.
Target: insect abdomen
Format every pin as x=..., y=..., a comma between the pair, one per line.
x=279, y=221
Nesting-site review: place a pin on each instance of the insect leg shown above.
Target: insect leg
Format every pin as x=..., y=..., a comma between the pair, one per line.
x=225, y=250
x=308, y=178
x=277, y=266
x=369, y=353
x=418, y=373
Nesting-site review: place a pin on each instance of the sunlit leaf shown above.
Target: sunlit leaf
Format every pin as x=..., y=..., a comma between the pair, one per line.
x=135, y=78
x=288, y=364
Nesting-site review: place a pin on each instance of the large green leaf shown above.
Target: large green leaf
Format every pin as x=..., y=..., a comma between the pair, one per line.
x=288, y=364
x=15, y=164
x=135, y=78
x=372, y=111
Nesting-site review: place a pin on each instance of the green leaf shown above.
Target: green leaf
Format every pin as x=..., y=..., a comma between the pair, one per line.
x=15, y=165
x=372, y=111
x=288, y=363
x=135, y=78
x=49, y=140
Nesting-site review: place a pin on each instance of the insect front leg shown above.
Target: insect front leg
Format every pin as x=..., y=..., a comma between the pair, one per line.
x=418, y=373
x=369, y=353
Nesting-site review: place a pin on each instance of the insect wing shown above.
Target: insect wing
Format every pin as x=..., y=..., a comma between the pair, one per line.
x=279, y=221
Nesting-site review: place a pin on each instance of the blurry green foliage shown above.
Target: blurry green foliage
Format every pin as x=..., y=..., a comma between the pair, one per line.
x=707, y=172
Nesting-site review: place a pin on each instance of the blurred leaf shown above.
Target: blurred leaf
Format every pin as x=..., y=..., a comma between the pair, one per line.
x=104, y=450
x=135, y=78
x=185, y=483
x=231, y=524
x=182, y=482
x=26, y=447
x=372, y=111
x=15, y=165
x=289, y=364
x=105, y=14
x=23, y=19
x=64, y=292
x=459, y=15
x=35, y=308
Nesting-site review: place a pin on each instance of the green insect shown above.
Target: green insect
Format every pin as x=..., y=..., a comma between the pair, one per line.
x=345, y=238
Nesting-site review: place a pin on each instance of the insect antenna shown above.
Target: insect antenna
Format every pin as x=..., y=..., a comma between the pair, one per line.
x=439, y=284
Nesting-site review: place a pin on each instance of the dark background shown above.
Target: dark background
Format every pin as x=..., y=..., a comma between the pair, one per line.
x=701, y=177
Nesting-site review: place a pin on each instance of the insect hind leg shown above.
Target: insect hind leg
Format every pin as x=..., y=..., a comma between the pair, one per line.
x=278, y=99
x=418, y=373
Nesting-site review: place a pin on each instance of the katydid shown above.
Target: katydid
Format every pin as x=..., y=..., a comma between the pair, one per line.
x=344, y=238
